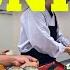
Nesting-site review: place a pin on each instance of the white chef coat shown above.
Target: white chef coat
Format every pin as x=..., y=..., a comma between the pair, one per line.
x=34, y=33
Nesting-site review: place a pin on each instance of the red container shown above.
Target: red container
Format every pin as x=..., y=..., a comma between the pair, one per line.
x=52, y=66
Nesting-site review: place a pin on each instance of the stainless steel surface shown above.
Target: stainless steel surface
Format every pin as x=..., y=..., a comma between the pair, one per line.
x=65, y=62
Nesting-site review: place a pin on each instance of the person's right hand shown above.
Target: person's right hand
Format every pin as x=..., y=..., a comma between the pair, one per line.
x=67, y=50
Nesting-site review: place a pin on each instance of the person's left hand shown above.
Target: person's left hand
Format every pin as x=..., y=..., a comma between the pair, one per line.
x=24, y=59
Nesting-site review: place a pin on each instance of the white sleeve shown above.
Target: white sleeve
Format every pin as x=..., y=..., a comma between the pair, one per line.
x=38, y=35
x=62, y=39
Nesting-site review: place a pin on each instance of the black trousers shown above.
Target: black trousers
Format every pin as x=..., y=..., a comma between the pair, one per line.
x=43, y=58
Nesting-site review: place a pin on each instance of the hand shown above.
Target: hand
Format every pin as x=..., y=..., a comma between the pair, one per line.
x=25, y=61
x=67, y=50
x=17, y=60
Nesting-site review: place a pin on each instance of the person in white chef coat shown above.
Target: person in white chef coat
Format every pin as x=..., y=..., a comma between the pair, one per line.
x=40, y=36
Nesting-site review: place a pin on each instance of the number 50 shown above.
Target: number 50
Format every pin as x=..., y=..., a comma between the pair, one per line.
x=36, y=5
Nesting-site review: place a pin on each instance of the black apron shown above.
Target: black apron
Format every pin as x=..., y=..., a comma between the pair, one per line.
x=53, y=29
x=44, y=58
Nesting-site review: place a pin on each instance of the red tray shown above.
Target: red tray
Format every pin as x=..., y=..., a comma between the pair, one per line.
x=52, y=66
